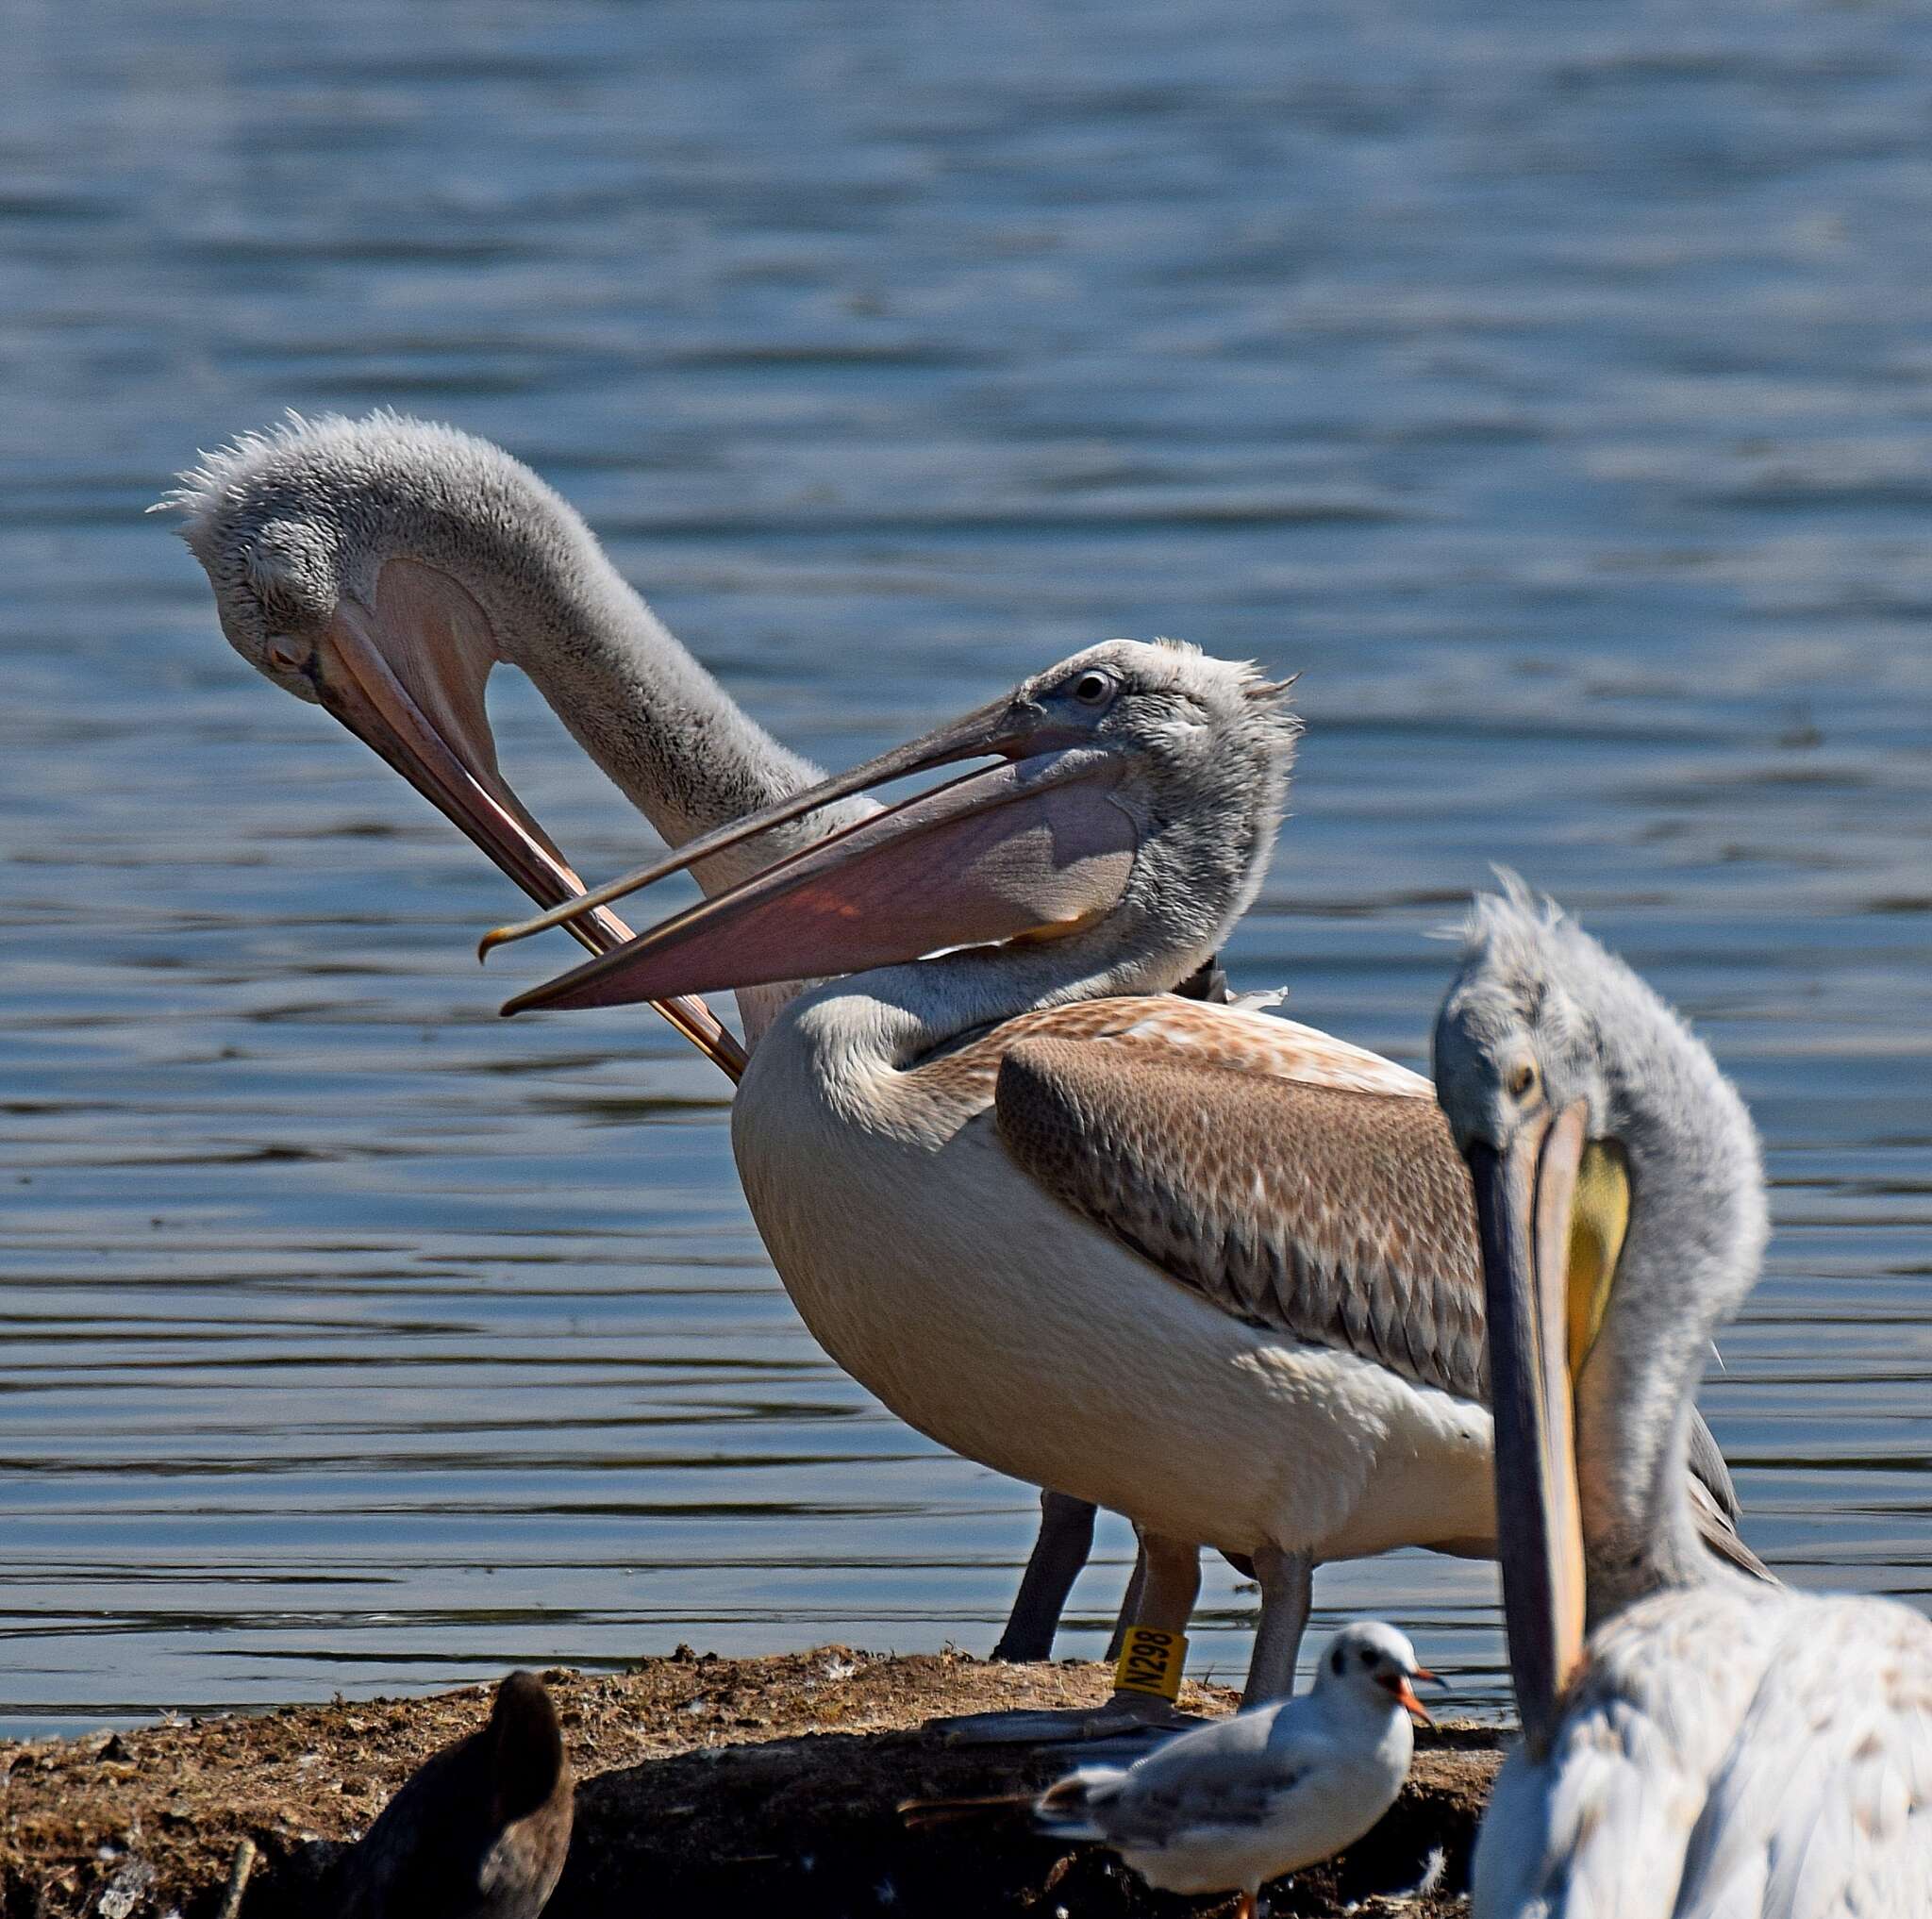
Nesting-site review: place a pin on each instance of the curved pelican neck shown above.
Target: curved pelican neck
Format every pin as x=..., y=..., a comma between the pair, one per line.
x=666, y=735
x=1696, y=1232
x=674, y=742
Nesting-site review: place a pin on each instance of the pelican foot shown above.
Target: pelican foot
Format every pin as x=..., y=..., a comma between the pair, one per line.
x=1131, y=1717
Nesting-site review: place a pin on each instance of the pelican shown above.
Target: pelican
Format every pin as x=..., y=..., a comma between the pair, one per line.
x=1717, y=1748
x=382, y=567
x=1071, y=1228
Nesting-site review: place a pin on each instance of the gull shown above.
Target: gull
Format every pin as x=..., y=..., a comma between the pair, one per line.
x=1242, y=1800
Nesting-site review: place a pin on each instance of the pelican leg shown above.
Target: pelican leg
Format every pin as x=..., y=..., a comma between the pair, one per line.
x=1287, y=1588
x=1167, y=1597
x=1059, y=1552
x=1129, y=1613
x=1169, y=1581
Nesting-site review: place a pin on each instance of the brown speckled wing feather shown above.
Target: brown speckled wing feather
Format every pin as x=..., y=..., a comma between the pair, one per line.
x=1156, y=1026
x=1340, y=1217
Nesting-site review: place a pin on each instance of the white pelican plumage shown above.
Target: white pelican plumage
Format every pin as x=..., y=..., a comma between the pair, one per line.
x=1719, y=1748
x=1071, y=1228
x=383, y=567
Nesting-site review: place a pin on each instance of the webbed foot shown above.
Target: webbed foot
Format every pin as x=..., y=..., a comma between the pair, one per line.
x=1135, y=1717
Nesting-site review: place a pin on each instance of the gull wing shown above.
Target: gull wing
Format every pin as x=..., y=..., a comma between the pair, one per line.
x=1233, y=1772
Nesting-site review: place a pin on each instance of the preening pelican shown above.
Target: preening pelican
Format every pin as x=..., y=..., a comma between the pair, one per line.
x=382, y=567
x=1071, y=1228
x=1718, y=1748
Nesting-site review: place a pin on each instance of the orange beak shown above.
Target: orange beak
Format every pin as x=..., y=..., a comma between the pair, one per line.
x=1405, y=1694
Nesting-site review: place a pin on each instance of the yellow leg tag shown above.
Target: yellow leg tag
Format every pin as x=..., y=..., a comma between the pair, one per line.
x=1151, y=1663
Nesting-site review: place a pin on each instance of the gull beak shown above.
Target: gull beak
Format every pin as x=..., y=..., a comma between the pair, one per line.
x=1033, y=847
x=1400, y=1685
x=405, y=677
x=1523, y=1200
x=1405, y=1696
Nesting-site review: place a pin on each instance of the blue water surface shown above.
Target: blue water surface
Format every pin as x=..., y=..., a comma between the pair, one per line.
x=1552, y=387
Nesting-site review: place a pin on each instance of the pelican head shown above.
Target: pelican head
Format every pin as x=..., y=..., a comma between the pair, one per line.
x=379, y=567
x=1137, y=783
x=1621, y=1208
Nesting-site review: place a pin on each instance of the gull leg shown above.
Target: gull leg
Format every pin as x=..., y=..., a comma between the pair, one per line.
x=1287, y=1588
x=1167, y=1597
x=1065, y=1539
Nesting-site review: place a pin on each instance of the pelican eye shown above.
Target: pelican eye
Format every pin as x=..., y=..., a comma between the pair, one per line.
x=1521, y=1080
x=284, y=653
x=1094, y=688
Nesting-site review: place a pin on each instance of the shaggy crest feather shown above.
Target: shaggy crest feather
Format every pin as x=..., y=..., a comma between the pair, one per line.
x=297, y=443
x=1513, y=918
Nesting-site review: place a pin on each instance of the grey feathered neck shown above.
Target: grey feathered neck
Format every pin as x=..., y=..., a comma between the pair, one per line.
x=1697, y=1229
x=289, y=520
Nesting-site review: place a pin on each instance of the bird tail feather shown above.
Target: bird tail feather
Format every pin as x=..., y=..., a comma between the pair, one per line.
x=1064, y=1810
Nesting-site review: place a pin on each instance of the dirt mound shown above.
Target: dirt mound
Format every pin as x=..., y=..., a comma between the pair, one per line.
x=706, y=1784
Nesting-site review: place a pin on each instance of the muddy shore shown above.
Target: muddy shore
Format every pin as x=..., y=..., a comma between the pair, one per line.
x=705, y=1784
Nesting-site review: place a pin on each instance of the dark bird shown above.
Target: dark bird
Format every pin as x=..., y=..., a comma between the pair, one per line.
x=480, y=1830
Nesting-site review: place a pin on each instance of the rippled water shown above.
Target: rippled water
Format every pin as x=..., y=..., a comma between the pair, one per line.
x=1554, y=389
